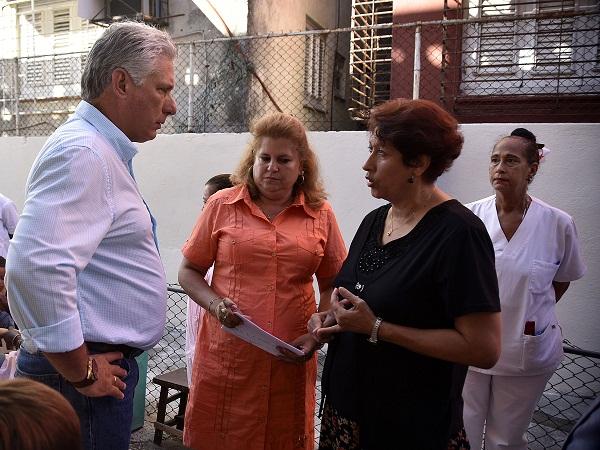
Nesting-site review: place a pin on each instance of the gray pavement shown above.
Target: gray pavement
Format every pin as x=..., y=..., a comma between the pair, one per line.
x=142, y=439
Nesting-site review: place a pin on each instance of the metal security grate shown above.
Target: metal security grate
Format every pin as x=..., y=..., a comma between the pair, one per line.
x=370, y=54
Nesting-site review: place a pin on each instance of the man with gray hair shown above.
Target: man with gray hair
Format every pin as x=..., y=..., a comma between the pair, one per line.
x=85, y=281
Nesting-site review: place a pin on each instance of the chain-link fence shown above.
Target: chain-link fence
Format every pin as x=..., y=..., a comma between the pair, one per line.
x=568, y=394
x=169, y=353
x=221, y=85
x=487, y=60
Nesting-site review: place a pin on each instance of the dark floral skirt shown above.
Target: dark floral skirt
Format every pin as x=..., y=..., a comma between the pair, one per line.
x=341, y=433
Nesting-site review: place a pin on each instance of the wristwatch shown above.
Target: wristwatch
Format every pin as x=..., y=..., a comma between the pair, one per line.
x=375, y=330
x=90, y=377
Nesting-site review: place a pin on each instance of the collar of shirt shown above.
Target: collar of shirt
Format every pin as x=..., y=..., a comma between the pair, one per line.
x=117, y=139
x=243, y=195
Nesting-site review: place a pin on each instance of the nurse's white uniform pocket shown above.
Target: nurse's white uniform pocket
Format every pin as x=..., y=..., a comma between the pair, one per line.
x=541, y=276
x=543, y=352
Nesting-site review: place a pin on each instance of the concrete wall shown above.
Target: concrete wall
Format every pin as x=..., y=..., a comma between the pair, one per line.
x=172, y=169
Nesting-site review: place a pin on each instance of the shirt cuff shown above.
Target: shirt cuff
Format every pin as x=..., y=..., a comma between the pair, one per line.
x=57, y=338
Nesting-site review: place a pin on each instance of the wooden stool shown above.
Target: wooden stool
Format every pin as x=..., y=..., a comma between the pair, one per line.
x=176, y=379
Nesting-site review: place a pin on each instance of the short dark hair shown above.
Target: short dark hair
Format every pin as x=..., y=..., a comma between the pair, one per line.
x=415, y=128
x=524, y=133
x=2, y=261
x=221, y=181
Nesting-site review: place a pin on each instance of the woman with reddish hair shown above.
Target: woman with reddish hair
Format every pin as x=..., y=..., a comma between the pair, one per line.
x=416, y=300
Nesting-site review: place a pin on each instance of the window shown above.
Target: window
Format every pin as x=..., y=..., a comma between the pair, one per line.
x=61, y=22
x=64, y=70
x=554, y=38
x=530, y=47
x=34, y=72
x=496, y=39
x=50, y=42
x=54, y=29
x=314, y=61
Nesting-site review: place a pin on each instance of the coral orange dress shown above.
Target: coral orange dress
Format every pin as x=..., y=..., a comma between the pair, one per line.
x=242, y=397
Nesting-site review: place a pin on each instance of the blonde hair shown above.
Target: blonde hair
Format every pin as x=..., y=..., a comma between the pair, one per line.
x=279, y=125
x=36, y=417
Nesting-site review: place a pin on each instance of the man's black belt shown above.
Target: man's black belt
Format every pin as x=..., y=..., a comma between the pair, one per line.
x=101, y=347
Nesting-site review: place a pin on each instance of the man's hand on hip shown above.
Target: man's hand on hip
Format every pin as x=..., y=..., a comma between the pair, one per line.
x=109, y=382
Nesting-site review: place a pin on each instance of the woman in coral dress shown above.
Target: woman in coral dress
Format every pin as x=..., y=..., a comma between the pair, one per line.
x=267, y=236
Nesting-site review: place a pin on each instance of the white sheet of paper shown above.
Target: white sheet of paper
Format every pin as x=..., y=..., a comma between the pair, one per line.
x=255, y=335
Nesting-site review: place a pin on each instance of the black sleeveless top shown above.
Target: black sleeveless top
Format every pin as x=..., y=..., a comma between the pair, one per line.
x=442, y=269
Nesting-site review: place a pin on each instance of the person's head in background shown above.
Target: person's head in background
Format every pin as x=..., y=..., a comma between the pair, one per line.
x=36, y=417
x=215, y=184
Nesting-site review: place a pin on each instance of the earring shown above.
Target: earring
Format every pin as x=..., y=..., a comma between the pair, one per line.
x=411, y=180
x=301, y=177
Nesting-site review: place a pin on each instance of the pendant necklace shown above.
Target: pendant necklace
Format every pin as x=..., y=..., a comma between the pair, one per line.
x=392, y=219
x=408, y=218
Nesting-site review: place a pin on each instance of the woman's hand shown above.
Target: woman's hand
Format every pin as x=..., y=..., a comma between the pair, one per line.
x=317, y=322
x=224, y=313
x=351, y=312
x=348, y=312
x=307, y=343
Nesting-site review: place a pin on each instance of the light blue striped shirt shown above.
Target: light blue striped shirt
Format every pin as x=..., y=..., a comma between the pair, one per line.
x=83, y=264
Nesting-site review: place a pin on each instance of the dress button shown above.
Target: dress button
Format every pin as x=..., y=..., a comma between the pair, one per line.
x=273, y=254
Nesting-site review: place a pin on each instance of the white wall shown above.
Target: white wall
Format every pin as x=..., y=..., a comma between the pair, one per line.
x=172, y=169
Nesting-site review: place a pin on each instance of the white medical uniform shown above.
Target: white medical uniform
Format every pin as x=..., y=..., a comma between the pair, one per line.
x=8, y=222
x=544, y=249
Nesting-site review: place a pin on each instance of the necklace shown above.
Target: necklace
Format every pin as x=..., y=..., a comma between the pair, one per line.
x=408, y=218
x=388, y=233
x=272, y=211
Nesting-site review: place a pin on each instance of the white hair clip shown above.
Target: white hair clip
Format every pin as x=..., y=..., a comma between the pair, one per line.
x=544, y=151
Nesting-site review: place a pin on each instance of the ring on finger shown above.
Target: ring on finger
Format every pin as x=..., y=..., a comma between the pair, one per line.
x=115, y=379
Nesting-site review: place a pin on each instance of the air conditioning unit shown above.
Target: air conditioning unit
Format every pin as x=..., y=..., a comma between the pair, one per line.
x=108, y=11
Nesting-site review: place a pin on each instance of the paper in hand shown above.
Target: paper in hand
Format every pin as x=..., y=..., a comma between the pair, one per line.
x=255, y=335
